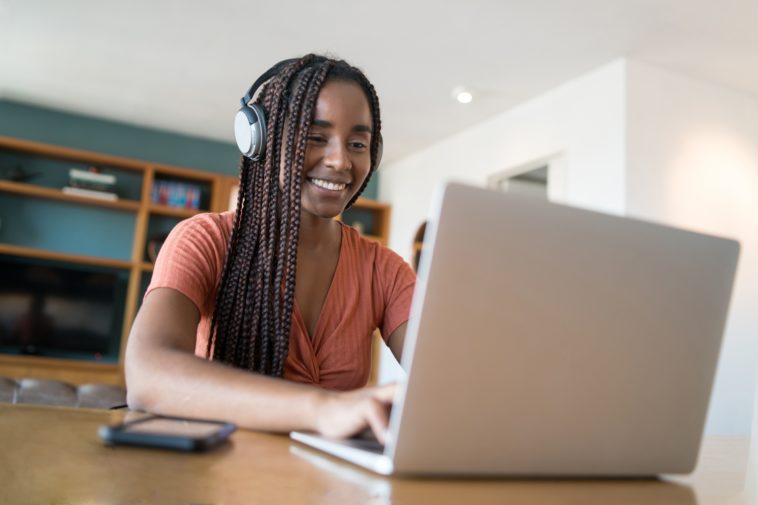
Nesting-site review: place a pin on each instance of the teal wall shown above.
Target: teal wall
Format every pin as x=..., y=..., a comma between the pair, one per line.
x=52, y=225
x=120, y=139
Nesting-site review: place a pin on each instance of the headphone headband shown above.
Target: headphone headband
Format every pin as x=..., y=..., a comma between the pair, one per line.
x=268, y=74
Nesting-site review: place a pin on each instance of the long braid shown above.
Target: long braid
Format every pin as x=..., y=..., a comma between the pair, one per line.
x=223, y=310
x=253, y=314
x=281, y=347
x=249, y=259
x=288, y=202
x=255, y=280
x=258, y=312
x=272, y=313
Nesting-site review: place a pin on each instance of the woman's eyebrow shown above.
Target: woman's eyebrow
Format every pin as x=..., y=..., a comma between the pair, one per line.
x=322, y=123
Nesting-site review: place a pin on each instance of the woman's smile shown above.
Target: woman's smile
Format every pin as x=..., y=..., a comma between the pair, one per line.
x=328, y=185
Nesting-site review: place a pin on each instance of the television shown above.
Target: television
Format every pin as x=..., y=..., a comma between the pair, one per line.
x=62, y=310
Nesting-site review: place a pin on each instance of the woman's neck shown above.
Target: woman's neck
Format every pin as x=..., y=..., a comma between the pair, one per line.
x=317, y=233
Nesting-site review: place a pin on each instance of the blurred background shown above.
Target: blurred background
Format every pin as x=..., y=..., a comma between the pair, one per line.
x=638, y=107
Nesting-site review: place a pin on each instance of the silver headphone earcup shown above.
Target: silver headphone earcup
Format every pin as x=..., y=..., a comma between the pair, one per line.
x=243, y=133
x=250, y=131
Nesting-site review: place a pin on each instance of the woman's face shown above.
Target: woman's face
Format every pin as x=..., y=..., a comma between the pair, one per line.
x=337, y=157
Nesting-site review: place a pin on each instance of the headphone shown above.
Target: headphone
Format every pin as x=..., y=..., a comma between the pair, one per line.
x=250, y=120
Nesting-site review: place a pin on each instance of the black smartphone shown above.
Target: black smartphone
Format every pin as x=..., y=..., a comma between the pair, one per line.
x=168, y=433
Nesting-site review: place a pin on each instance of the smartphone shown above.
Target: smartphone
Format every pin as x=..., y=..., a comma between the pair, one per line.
x=168, y=433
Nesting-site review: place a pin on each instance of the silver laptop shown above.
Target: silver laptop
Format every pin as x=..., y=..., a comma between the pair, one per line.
x=545, y=340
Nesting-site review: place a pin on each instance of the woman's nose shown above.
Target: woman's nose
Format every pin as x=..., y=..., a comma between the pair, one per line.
x=338, y=157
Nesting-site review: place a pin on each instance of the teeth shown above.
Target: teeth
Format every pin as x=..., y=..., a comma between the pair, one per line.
x=328, y=185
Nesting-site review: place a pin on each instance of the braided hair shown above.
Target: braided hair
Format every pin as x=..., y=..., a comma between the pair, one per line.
x=253, y=313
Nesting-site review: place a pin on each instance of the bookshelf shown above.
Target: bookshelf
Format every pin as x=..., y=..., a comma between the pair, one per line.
x=130, y=223
x=127, y=220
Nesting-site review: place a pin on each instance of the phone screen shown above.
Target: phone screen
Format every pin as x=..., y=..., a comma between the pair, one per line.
x=174, y=427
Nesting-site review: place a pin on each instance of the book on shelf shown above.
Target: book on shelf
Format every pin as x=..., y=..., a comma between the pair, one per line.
x=91, y=176
x=176, y=194
x=87, y=179
x=90, y=193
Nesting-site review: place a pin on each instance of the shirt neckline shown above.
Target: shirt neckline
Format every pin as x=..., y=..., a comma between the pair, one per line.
x=317, y=331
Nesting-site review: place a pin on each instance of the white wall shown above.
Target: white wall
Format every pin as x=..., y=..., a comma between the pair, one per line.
x=693, y=162
x=631, y=139
x=581, y=121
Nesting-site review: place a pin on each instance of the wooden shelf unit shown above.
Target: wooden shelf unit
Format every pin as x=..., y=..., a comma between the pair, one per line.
x=216, y=187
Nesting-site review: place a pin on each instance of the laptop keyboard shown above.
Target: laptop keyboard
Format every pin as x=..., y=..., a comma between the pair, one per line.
x=365, y=441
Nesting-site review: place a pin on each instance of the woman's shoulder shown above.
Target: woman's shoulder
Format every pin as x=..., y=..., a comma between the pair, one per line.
x=217, y=220
x=213, y=225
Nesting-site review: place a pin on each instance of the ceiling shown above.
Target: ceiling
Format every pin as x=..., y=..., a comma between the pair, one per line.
x=182, y=65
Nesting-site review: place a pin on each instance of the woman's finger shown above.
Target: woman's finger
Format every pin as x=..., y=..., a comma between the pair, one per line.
x=386, y=393
x=378, y=420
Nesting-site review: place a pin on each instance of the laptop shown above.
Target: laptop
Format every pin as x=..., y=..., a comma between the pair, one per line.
x=546, y=340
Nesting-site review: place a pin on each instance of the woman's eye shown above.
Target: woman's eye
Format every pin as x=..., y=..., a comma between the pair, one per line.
x=316, y=138
x=358, y=145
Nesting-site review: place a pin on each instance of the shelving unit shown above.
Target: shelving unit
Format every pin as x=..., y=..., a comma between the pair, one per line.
x=140, y=220
x=53, y=162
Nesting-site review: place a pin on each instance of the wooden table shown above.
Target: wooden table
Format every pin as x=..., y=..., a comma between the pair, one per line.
x=51, y=455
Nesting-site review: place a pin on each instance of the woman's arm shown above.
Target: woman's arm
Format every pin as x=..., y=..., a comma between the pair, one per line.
x=164, y=376
x=397, y=340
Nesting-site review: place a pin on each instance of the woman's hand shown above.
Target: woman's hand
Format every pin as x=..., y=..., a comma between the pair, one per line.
x=344, y=414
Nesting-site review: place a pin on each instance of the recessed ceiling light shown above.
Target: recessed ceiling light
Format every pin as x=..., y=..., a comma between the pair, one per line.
x=463, y=95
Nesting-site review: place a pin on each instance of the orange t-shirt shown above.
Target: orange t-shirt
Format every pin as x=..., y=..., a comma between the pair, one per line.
x=371, y=288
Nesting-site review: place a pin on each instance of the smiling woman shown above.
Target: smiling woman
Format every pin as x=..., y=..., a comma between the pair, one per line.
x=279, y=288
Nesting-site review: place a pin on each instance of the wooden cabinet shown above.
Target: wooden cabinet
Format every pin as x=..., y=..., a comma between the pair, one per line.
x=47, y=228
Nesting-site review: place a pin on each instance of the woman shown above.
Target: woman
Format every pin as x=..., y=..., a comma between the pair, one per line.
x=278, y=288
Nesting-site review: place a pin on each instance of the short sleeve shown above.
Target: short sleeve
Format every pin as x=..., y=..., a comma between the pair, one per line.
x=191, y=259
x=397, y=281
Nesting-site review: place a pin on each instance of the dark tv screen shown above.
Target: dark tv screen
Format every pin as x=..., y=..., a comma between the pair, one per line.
x=61, y=310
